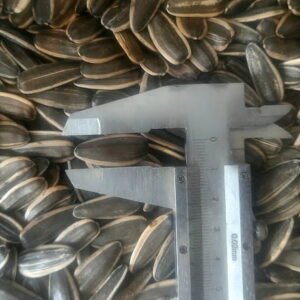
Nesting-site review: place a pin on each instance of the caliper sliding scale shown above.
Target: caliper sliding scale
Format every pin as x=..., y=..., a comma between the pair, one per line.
x=211, y=195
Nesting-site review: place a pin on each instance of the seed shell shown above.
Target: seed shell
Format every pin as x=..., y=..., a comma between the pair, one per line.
x=91, y=274
x=9, y=229
x=44, y=260
x=105, y=207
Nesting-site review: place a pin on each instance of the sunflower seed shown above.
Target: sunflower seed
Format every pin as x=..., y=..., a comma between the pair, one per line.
x=169, y=41
x=4, y=256
x=271, y=88
x=37, y=285
x=97, y=7
x=164, y=264
x=145, y=39
x=185, y=71
x=83, y=29
x=56, y=43
x=219, y=33
x=135, y=285
x=163, y=289
x=16, y=107
x=9, y=271
x=287, y=26
x=22, y=57
x=141, y=13
x=267, y=27
x=48, y=76
x=13, y=291
x=275, y=242
x=254, y=155
x=52, y=176
x=91, y=274
x=271, y=291
x=109, y=69
x=113, y=150
x=9, y=229
x=204, y=56
x=236, y=6
x=153, y=235
x=193, y=28
x=100, y=50
x=167, y=151
x=44, y=260
x=256, y=14
x=127, y=230
x=111, y=284
x=106, y=207
x=279, y=274
x=79, y=235
x=154, y=64
x=12, y=135
x=197, y=8
x=130, y=45
x=50, y=223
x=41, y=135
x=53, y=197
x=22, y=19
x=289, y=259
x=294, y=7
x=290, y=74
x=8, y=68
x=282, y=49
x=43, y=11
x=64, y=13
x=16, y=6
x=116, y=17
x=149, y=82
x=22, y=194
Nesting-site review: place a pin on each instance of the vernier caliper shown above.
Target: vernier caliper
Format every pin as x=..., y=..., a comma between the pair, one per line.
x=211, y=195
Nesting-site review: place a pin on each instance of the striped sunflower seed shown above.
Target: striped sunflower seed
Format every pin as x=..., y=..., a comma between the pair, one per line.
x=111, y=284
x=145, y=39
x=265, y=76
x=267, y=27
x=116, y=17
x=121, y=81
x=192, y=28
x=53, y=197
x=8, y=68
x=22, y=19
x=52, y=176
x=163, y=289
x=184, y=71
x=288, y=26
x=61, y=150
x=9, y=272
x=254, y=155
x=244, y=34
x=150, y=242
x=105, y=207
x=44, y=260
x=91, y=274
x=4, y=256
x=100, y=50
x=16, y=106
x=127, y=230
x=109, y=69
x=282, y=49
x=10, y=229
x=63, y=286
x=22, y=194
x=113, y=150
x=22, y=57
x=73, y=98
x=53, y=116
x=83, y=29
x=136, y=284
x=275, y=242
x=79, y=234
x=43, y=11
x=154, y=64
x=47, y=76
x=198, y=8
x=50, y=223
x=164, y=264
x=56, y=43
x=12, y=290
x=169, y=41
x=141, y=13
x=219, y=33
x=130, y=45
x=279, y=274
x=12, y=135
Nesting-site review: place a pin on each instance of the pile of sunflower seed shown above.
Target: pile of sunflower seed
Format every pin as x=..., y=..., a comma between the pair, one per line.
x=58, y=57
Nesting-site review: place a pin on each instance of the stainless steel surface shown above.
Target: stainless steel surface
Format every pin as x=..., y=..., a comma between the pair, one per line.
x=216, y=123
